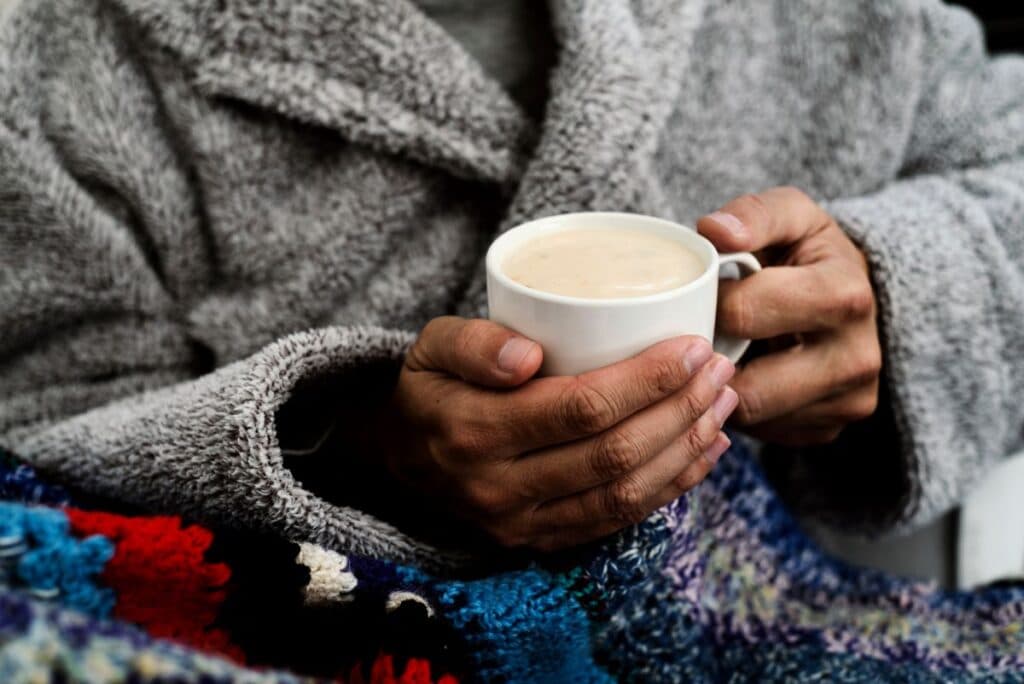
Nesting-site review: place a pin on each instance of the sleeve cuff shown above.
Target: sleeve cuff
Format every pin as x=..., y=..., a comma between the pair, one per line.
x=209, y=448
x=923, y=238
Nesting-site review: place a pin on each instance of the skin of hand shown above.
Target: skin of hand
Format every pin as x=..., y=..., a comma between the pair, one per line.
x=553, y=462
x=816, y=293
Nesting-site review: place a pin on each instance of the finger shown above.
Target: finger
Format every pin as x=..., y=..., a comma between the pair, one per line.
x=791, y=299
x=629, y=499
x=692, y=475
x=554, y=410
x=583, y=464
x=776, y=384
x=822, y=421
x=695, y=473
x=476, y=350
x=843, y=408
x=780, y=216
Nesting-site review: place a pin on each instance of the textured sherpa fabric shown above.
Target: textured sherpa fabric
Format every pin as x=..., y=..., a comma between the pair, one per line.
x=512, y=41
x=188, y=189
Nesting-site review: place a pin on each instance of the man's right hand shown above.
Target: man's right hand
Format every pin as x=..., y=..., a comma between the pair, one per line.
x=557, y=461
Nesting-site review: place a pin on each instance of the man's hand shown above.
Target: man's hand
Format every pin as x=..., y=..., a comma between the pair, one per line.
x=816, y=297
x=557, y=461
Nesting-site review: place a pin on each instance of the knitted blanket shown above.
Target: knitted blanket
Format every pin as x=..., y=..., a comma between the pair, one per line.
x=719, y=586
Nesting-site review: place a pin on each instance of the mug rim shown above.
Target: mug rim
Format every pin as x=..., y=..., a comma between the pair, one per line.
x=494, y=269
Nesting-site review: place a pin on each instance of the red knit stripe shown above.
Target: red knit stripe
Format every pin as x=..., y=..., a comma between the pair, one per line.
x=162, y=581
x=417, y=671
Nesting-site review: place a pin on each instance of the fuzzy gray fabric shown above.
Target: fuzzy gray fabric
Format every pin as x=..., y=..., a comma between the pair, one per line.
x=512, y=41
x=286, y=191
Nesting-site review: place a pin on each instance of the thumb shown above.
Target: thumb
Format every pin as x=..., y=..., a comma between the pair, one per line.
x=779, y=216
x=476, y=350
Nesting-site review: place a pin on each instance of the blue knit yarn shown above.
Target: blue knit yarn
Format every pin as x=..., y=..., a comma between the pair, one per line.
x=51, y=563
x=647, y=634
x=19, y=482
x=522, y=627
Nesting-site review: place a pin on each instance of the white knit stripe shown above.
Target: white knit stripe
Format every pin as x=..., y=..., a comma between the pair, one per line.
x=397, y=598
x=329, y=578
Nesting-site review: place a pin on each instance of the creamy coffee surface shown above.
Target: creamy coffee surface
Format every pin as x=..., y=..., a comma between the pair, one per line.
x=596, y=263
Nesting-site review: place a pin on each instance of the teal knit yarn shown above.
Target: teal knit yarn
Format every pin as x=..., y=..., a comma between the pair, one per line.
x=523, y=627
x=39, y=555
x=519, y=627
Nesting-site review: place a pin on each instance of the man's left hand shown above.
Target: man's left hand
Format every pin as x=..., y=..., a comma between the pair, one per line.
x=814, y=300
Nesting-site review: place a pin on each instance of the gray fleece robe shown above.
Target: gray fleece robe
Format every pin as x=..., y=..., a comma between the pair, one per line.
x=208, y=205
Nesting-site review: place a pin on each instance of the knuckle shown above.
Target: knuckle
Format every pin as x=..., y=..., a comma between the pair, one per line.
x=460, y=441
x=855, y=300
x=432, y=328
x=860, y=407
x=794, y=194
x=618, y=453
x=873, y=360
x=419, y=355
x=866, y=366
x=528, y=487
x=588, y=410
x=506, y=536
x=689, y=478
x=666, y=375
x=737, y=314
x=485, y=498
x=684, y=482
x=427, y=333
x=749, y=408
x=626, y=501
x=698, y=438
x=752, y=206
x=690, y=407
x=470, y=336
x=868, y=405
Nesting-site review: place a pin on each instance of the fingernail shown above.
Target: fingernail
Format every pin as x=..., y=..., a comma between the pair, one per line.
x=725, y=404
x=730, y=222
x=722, y=370
x=513, y=353
x=715, y=451
x=697, y=355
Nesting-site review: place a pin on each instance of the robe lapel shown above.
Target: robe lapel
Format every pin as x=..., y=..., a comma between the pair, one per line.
x=378, y=71
x=383, y=74
x=620, y=71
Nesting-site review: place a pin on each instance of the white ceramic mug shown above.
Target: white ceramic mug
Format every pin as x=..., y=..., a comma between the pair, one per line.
x=579, y=334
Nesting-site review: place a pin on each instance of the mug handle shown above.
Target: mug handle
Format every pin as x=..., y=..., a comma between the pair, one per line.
x=746, y=265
